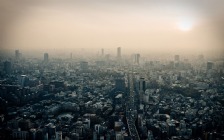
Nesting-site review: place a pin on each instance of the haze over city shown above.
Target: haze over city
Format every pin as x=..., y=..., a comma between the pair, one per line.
x=111, y=70
x=175, y=26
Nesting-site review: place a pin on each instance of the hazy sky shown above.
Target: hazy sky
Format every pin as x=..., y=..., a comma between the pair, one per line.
x=140, y=25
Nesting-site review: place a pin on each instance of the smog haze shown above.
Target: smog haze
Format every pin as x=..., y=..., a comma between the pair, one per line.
x=186, y=26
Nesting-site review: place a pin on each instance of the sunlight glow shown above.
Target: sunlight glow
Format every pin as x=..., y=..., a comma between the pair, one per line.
x=185, y=25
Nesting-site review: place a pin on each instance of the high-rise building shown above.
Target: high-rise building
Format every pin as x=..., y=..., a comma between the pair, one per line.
x=70, y=55
x=23, y=80
x=137, y=58
x=7, y=67
x=142, y=85
x=145, y=97
x=177, y=58
x=210, y=65
x=142, y=89
x=51, y=129
x=33, y=133
x=17, y=54
x=107, y=57
x=119, y=52
x=102, y=52
x=119, y=136
x=108, y=137
x=39, y=134
x=94, y=135
x=150, y=135
x=45, y=57
x=59, y=135
x=84, y=65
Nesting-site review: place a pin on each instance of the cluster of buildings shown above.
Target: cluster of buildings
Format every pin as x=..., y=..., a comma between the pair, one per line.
x=180, y=101
x=74, y=99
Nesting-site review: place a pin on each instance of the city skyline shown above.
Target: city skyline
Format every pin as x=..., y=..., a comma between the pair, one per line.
x=111, y=97
x=111, y=70
x=191, y=26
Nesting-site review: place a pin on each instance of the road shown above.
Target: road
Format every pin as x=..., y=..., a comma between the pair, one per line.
x=131, y=112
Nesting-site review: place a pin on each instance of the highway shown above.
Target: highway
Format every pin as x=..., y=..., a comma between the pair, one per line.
x=131, y=112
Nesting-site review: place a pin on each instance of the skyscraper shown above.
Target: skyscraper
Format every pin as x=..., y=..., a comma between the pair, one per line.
x=137, y=58
x=7, y=67
x=102, y=52
x=17, y=54
x=210, y=65
x=107, y=56
x=119, y=52
x=142, y=89
x=177, y=58
x=70, y=55
x=45, y=57
x=84, y=65
x=142, y=84
x=23, y=80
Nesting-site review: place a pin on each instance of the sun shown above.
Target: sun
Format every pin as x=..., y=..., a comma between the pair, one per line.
x=185, y=25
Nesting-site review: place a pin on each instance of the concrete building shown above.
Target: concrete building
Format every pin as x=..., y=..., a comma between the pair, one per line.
x=46, y=57
x=119, y=52
x=7, y=67
x=210, y=65
x=84, y=65
x=177, y=58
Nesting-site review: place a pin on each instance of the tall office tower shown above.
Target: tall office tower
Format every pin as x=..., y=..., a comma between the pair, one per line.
x=142, y=85
x=177, y=58
x=145, y=97
x=45, y=57
x=142, y=89
x=17, y=54
x=94, y=135
x=102, y=52
x=119, y=136
x=150, y=135
x=39, y=134
x=70, y=55
x=23, y=80
x=119, y=52
x=108, y=137
x=210, y=65
x=137, y=58
x=59, y=135
x=33, y=133
x=7, y=67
